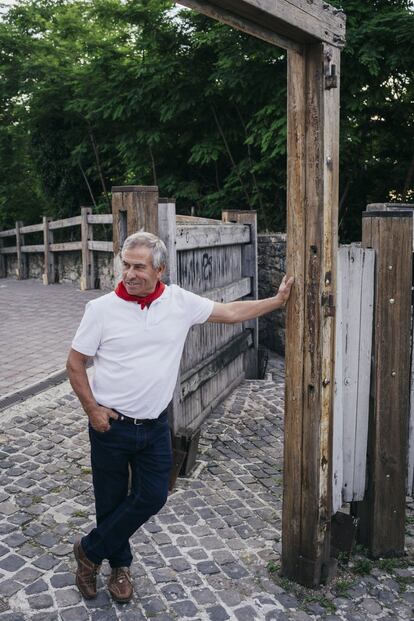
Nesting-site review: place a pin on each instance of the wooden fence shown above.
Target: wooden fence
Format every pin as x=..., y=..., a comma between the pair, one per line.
x=87, y=246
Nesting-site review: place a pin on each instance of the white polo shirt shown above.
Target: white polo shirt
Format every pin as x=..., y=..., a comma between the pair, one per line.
x=137, y=352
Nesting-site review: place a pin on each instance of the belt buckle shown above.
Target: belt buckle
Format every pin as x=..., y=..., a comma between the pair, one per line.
x=137, y=422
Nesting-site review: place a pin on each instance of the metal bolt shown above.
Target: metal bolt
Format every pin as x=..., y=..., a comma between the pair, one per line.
x=326, y=382
x=327, y=282
x=392, y=301
x=393, y=374
x=347, y=381
x=329, y=161
x=390, y=267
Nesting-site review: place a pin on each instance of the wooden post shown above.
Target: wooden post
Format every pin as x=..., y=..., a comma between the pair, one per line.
x=21, y=271
x=87, y=280
x=249, y=269
x=167, y=232
x=3, y=271
x=134, y=208
x=49, y=257
x=382, y=513
x=313, y=162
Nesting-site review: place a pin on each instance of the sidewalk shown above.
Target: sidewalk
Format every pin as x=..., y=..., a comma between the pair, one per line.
x=37, y=324
x=213, y=551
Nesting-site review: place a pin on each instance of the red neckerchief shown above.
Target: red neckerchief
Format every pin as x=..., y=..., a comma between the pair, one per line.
x=143, y=301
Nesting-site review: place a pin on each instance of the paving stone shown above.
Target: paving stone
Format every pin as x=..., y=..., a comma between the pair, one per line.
x=67, y=597
x=208, y=567
x=62, y=580
x=173, y=592
x=247, y=613
x=9, y=587
x=179, y=564
x=36, y=587
x=46, y=562
x=74, y=614
x=204, y=596
x=40, y=601
x=217, y=613
x=12, y=562
x=152, y=605
x=234, y=570
x=164, y=575
x=230, y=597
x=185, y=608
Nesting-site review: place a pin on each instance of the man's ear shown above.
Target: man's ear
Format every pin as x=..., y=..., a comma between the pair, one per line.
x=161, y=271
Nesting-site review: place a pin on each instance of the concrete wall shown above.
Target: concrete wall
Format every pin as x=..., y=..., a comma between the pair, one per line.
x=272, y=267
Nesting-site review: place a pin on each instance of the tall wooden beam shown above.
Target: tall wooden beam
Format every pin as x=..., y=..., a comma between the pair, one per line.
x=313, y=134
x=285, y=23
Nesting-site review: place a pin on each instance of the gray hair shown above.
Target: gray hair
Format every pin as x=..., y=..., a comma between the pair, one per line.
x=148, y=240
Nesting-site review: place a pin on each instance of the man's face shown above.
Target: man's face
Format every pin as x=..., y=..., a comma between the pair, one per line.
x=138, y=274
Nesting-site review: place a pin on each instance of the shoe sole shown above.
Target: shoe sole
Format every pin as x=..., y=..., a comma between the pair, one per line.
x=121, y=601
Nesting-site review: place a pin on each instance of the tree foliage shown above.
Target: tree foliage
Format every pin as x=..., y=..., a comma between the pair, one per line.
x=109, y=92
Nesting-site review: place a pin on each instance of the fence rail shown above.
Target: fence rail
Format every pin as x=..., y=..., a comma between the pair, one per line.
x=87, y=245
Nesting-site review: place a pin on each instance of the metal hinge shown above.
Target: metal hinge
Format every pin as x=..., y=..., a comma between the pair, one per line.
x=331, y=79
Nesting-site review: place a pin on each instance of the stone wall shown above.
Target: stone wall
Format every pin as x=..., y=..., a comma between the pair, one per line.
x=68, y=268
x=272, y=268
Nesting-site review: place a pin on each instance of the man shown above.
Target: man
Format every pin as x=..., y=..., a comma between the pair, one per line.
x=136, y=336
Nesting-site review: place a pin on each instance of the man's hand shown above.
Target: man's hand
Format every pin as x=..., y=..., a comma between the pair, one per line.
x=99, y=418
x=285, y=289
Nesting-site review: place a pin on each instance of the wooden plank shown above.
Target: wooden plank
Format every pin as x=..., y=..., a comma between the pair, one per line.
x=31, y=228
x=382, y=513
x=20, y=269
x=87, y=279
x=208, y=236
x=351, y=336
x=101, y=246
x=62, y=224
x=203, y=269
x=9, y=250
x=340, y=347
x=33, y=248
x=167, y=232
x=3, y=267
x=295, y=250
x=195, y=378
x=241, y=23
x=65, y=246
x=364, y=373
x=410, y=464
x=249, y=269
x=100, y=218
x=195, y=220
x=8, y=233
x=49, y=274
x=229, y=293
x=300, y=21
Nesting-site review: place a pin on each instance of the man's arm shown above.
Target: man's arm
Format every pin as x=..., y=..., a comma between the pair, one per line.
x=234, y=312
x=98, y=415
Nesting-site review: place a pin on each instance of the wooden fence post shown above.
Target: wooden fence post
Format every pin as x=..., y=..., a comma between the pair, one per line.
x=249, y=269
x=312, y=195
x=134, y=208
x=87, y=279
x=49, y=257
x=3, y=272
x=21, y=270
x=382, y=513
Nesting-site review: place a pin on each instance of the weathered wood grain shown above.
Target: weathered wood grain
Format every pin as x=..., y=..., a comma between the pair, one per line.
x=65, y=246
x=190, y=237
x=31, y=228
x=382, y=513
x=8, y=233
x=87, y=279
x=100, y=218
x=62, y=224
x=101, y=246
x=21, y=271
x=291, y=21
x=249, y=269
x=33, y=248
x=49, y=257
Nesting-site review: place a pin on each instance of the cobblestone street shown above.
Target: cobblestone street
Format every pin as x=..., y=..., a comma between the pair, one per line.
x=213, y=551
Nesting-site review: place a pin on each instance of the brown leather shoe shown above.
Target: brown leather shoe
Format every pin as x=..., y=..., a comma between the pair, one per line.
x=120, y=584
x=85, y=573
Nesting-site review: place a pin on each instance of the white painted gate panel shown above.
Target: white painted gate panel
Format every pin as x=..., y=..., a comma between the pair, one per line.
x=352, y=372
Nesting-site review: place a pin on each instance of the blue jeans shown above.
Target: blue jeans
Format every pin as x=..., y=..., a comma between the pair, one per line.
x=144, y=449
